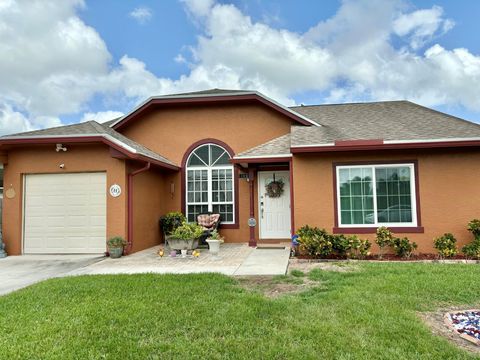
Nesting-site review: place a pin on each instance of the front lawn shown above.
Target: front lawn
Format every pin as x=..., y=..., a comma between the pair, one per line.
x=365, y=314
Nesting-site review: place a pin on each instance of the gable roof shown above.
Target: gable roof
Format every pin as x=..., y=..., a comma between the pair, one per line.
x=89, y=131
x=377, y=125
x=215, y=96
x=387, y=121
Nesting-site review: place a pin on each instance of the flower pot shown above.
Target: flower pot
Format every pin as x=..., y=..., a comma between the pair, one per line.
x=179, y=244
x=214, y=246
x=115, y=252
x=184, y=252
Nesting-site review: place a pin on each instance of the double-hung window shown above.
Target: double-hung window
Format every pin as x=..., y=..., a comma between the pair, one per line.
x=376, y=195
x=209, y=183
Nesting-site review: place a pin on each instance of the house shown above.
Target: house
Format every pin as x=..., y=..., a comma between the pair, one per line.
x=348, y=168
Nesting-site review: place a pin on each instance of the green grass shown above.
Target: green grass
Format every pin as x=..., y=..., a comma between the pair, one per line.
x=364, y=314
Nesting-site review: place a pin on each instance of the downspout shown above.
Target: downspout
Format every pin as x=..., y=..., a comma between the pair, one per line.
x=130, y=205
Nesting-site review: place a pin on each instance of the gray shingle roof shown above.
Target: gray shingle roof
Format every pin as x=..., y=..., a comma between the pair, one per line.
x=93, y=128
x=389, y=120
x=277, y=146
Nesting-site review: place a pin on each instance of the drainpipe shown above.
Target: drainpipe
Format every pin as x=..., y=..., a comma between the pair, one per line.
x=130, y=205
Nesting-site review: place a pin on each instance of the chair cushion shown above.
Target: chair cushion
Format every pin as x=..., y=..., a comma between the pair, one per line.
x=208, y=221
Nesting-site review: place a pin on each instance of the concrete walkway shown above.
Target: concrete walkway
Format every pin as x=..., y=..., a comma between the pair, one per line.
x=17, y=272
x=234, y=259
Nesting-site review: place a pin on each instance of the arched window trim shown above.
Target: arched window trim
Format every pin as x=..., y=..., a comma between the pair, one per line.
x=226, y=225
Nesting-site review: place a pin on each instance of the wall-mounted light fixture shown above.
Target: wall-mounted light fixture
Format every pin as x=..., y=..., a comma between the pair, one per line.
x=60, y=147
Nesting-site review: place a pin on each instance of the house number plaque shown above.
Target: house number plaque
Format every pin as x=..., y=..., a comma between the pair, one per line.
x=115, y=190
x=252, y=222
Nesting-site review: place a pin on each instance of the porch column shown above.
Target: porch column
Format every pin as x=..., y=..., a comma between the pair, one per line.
x=251, y=184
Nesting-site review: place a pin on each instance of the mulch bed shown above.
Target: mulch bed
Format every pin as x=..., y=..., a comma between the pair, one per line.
x=386, y=257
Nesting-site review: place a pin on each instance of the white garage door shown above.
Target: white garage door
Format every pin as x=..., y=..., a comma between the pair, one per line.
x=65, y=213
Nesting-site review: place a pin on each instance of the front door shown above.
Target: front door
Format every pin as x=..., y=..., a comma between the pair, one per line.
x=274, y=204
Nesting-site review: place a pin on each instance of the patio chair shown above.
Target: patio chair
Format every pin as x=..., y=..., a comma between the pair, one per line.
x=209, y=222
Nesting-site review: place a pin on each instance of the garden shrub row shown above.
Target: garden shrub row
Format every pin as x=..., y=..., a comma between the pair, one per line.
x=446, y=244
x=318, y=243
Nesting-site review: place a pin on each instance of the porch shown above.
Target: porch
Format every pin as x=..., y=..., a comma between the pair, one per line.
x=234, y=259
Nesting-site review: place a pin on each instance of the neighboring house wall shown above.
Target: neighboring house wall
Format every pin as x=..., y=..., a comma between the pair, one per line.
x=148, y=205
x=44, y=159
x=170, y=131
x=448, y=187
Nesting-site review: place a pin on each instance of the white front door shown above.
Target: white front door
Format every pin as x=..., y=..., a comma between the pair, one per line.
x=274, y=212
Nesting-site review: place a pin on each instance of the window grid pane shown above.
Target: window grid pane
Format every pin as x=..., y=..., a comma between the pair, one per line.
x=210, y=183
x=391, y=196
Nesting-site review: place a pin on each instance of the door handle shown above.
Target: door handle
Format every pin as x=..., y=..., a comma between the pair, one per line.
x=261, y=209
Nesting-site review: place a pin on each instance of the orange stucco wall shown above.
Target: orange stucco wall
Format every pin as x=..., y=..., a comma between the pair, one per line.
x=44, y=159
x=148, y=206
x=170, y=131
x=448, y=187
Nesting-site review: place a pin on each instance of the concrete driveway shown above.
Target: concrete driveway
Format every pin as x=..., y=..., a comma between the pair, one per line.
x=17, y=272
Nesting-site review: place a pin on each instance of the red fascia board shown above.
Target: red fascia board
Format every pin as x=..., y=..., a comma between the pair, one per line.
x=260, y=160
x=402, y=146
x=87, y=139
x=208, y=100
x=358, y=142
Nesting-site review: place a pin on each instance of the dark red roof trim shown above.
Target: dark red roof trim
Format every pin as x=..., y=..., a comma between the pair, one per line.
x=88, y=139
x=402, y=146
x=358, y=142
x=261, y=160
x=208, y=100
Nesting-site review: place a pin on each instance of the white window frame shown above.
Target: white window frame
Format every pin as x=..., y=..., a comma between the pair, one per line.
x=210, y=203
x=413, y=196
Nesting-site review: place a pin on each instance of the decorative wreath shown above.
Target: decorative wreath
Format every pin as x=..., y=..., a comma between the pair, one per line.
x=274, y=188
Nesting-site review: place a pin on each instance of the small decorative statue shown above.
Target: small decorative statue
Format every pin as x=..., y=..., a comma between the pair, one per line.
x=2, y=246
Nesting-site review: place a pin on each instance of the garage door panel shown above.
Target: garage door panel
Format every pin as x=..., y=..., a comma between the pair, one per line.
x=65, y=213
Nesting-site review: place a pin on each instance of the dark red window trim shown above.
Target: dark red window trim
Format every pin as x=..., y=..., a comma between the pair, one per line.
x=369, y=230
x=230, y=151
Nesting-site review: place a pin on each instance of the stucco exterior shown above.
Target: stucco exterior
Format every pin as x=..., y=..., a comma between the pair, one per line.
x=170, y=131
x=44, y=159
x=447, y=184
x=447, y=191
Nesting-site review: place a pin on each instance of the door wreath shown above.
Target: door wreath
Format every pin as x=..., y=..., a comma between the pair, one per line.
x=274, y=188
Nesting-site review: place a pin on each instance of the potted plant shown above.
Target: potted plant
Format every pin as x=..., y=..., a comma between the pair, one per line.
x=170, y=222
x=115, y=246
x=185, y=237
x=214, y=240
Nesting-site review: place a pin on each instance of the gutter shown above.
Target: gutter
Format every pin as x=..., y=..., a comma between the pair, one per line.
x=359, y=145
x=130, y=205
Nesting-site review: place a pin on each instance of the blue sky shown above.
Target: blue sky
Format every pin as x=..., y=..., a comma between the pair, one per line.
x=75, y=60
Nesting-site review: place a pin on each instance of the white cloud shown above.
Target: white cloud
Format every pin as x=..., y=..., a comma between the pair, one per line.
x=350, y=56
x=101, y=116
x=12, y=121
x=422, y=25
x=141, y=14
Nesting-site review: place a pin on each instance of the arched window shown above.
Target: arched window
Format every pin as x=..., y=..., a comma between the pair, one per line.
x=209, y=183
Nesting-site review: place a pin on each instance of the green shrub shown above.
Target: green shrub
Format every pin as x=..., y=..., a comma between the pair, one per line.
x=314, y=241
x=403, y=247
x=446, y=245
x=171, y=221
x=188, y=231
x=474, y=228
x=472, y=250
x=384, y=239
x=357, y=248
x=116, y=242
x=339, y=244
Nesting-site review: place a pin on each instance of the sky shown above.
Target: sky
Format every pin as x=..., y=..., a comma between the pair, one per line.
x=68, y=61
